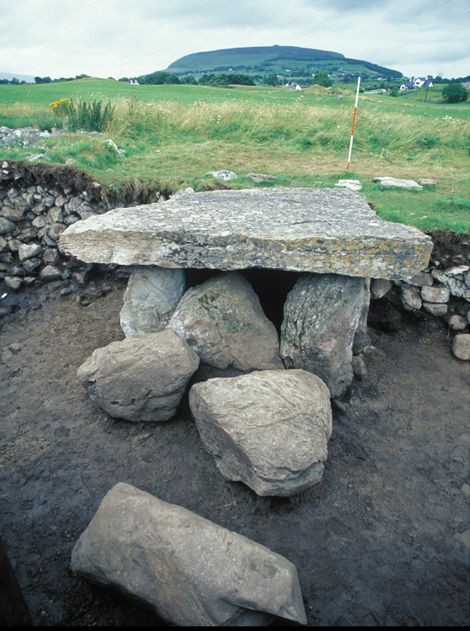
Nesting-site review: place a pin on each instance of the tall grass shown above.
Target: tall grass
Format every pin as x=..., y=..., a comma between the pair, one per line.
x=88, y=116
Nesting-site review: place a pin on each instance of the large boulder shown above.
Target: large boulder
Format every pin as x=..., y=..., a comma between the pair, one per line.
x=142, y=378
x=191, y=571
x=150, y=299
x=223, y=322
x=321, y=317
x=268, y=429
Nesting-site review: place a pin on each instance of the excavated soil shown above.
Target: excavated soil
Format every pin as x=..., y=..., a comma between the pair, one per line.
x=383, y=540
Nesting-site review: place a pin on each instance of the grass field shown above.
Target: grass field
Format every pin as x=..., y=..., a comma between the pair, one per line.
x=174, y=134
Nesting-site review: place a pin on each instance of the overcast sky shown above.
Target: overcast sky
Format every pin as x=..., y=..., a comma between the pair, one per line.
x=133, y=37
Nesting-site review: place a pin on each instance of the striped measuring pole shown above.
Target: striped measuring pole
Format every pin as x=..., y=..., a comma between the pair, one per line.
x=348, y=166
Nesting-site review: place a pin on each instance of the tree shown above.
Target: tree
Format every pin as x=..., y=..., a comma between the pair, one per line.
x=271, y=79
x=454, y=92
x=321, y=78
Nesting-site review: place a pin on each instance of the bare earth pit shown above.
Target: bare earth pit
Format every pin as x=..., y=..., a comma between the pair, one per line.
x=383, y=540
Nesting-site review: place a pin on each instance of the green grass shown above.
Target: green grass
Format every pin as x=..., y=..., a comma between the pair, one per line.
x=174, y=134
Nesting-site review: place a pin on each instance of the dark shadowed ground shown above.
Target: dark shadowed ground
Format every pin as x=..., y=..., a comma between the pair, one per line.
x=383, y=540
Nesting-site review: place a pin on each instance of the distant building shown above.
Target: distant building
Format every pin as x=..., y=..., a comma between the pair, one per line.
x=416, y=82
x=293, y=86
x=134, y=82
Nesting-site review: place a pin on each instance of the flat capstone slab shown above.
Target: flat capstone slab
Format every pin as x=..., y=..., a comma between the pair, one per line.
x=294, y=229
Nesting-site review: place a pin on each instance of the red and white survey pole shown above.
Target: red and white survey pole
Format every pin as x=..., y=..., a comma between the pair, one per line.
x=348, y=166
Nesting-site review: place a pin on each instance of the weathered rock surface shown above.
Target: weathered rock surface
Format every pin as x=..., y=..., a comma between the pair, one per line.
x=142, y=378
x=353, y=185
x=436, y=309
x=461, y=346
x=223, y=322
x=361, y=337
x=191, y=571
x=456, y=279
x=311, y=230
x=411, y=298
x=435, y=294
x=268, y=429
x=379, y=287
x=394, y=182
x=150, y=299
x=457, y=323
x=321, y=317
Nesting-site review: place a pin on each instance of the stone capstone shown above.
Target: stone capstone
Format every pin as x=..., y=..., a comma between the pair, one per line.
x=190, y=571
x=151, y=297
x=309, y=230
x=321, y=317
x=268, y=429
x=223, y=322
x=142, y=378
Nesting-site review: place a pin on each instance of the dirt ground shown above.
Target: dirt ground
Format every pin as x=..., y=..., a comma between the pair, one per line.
x=383, y=540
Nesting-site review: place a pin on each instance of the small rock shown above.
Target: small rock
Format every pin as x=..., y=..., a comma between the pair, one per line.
x=268, y=429
x=224, y=175
x=51, y=256
x=12, y=282
x=6, y=226
x=428, y=181
x=28, y=251
x=261, y=177
x=435, y=294
x=190, y=571
x=421, y=279
x=50, y=273
x=353, y=185
x=410, y=298
x=359, y=367
x=457, y=323
x=379, y=287
x=435, y=308
x=142, y=378
x=461, y=346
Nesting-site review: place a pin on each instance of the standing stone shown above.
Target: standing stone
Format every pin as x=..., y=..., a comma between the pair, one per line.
x=151, y=297
x=321, y=317
x=361, y=338
x=379, y=287
x=142, y=378
x=461, y=346
x=223, y=322
x=190, y=571
x=269, y=429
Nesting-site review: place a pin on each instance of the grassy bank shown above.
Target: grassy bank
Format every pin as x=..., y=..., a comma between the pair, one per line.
x=174, y=135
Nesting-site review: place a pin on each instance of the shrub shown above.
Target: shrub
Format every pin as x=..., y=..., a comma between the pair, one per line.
x=321, y=78
x=454, y=92
x=93, y=116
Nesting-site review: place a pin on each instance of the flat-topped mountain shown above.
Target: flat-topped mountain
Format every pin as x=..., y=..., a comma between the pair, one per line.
x=285, y=60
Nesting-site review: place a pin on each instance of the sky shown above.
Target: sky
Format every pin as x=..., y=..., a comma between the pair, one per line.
x=133, y=37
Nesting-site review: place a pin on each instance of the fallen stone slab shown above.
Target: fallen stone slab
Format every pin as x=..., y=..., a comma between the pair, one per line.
x=142, y=378
x=223, y=322
x=190, y=571
x=353, y=185
x=150, y=299
x=307, y=230
x=321, y=317
x=268, y=429
x=394, y=182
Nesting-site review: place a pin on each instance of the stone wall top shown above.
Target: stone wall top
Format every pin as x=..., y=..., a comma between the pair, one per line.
x=295, y=229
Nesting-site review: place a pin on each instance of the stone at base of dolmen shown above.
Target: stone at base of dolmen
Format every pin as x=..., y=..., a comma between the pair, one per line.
x=269, y=429
x=223, y=322
x=150, y=299
x=321, y=318
x=142, y=378
x=191, y=571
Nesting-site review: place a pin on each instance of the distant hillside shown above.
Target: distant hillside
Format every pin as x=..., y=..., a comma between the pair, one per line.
x=289, y=61
x=21, y=77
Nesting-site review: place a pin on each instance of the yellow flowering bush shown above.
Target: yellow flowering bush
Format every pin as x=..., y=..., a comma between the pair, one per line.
x=60, y=107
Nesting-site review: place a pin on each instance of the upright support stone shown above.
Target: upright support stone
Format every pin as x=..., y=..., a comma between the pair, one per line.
x=362, y=339
x=150, y=299
x=321, y=317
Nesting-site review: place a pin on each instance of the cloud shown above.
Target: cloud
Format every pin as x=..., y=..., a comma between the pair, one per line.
x=118, y=37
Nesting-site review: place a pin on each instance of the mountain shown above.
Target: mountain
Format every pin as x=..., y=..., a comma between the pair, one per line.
x=288, y=61
x=21, y=77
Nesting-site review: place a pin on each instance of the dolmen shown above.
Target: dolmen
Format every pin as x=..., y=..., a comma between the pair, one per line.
x=268, y=428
